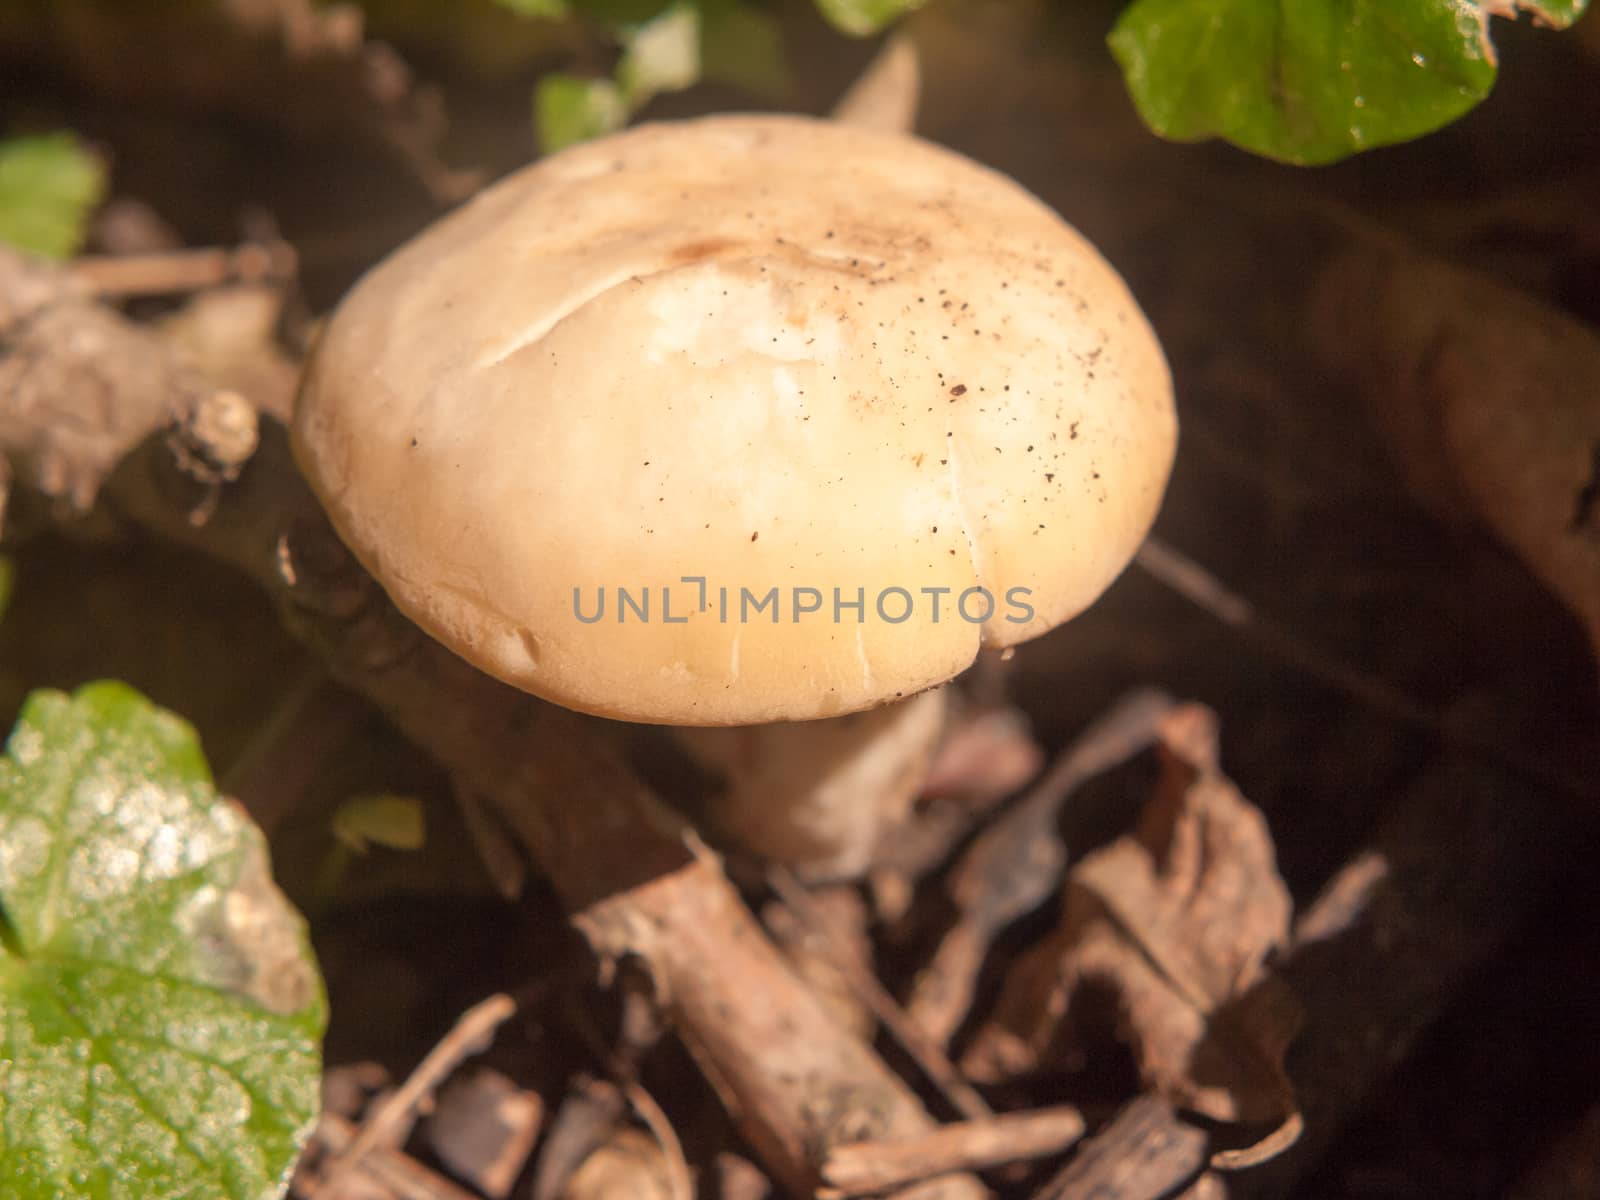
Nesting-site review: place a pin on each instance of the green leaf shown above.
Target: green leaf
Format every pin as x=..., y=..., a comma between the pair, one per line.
x=394, y=822
x=549, y=9
x=743, y=47
x=160, y=1010
x=48, y=187
x=1556, y=13
x=1312, y=81
x=622, y=12
x=568, y=110
x=662, y=55
x=861, y=17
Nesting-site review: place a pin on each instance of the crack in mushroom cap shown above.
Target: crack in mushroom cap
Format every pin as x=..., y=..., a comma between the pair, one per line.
x=772, y=352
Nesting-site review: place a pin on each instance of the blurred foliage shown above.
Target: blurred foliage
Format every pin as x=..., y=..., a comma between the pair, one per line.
x=741, y=46
x=861, y=17
x=668, y=46
x=1303, y=83
x=661, y=55
x=536, y=8
x=49, y=185
x=360, y=823
x=567, y=109
x=394, y=822
x=721, y=40
x=856, y=17
x=1314, y=81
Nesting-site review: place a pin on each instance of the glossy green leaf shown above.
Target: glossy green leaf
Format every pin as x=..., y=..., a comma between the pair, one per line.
x=160, y=1010
x=1312, y=81
x=49, y=186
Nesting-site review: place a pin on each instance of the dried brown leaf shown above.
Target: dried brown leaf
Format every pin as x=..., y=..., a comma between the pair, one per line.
x=1176, y=922
x=1488, y=399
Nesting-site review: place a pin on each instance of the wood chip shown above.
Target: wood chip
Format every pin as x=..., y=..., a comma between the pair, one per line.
x=396, y=1174
x=630, y=1163
x=483, y=1128
x=867, y=1168
x=391, y=1118
x=1147, y=1151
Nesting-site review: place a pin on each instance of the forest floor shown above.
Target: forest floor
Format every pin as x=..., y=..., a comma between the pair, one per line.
x=1348, y=602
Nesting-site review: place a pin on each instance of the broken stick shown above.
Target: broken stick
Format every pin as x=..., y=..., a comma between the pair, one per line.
x=868, y=1168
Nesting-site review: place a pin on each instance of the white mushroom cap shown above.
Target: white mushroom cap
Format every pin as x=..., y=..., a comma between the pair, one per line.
x=765, y=352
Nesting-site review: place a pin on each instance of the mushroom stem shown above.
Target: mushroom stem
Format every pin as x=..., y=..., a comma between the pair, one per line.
x=819, y=796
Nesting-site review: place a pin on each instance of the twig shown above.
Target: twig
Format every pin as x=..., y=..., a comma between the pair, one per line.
x=126, y=275
x=1344, y=899
x=269, y=774
x=1017, y=862
x=400, y=1173
x=471, y=1035
x=640, y=1032
x=80, y=387
x=1145, y=1153
x=1193, y=582
x=866, y=1168
x=586, y=1116
x=928, y=1055
x=812, y=952
x=628, y=1163
x=677, y=1167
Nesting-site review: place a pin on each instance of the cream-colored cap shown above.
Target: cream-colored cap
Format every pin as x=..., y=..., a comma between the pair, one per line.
x=772, y=395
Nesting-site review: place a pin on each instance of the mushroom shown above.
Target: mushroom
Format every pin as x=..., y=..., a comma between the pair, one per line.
x=745, y=420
